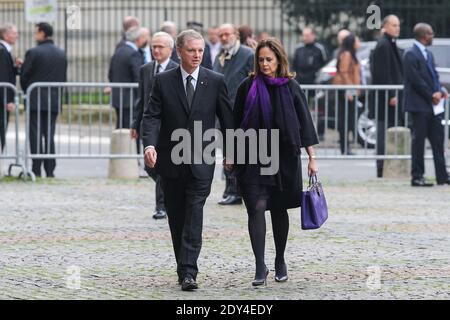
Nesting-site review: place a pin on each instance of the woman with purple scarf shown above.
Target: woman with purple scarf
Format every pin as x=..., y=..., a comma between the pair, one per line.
x=270, y=99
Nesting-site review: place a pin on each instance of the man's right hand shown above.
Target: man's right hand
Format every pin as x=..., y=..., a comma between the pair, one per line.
x=437, y=96
x=150, y=157
x=107, y=90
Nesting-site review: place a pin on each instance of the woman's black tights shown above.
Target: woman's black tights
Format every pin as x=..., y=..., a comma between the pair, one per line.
x=256, y=209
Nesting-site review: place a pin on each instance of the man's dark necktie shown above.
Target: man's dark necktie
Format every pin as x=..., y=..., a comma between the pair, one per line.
x=158, y=69
x=189, y=90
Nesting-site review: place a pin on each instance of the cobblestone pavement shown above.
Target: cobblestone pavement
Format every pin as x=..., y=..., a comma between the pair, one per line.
x=384, y=231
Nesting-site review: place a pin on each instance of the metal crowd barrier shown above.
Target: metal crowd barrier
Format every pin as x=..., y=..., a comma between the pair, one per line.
x=335, y=116
x=80, y=116
x=9, y=139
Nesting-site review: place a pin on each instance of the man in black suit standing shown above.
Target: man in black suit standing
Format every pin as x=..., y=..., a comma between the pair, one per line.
x=44, y=63
x=8, y=73
x=422, y=98
x=162, y=44
x=124, y=68
x=180, y=97
x=386, y=64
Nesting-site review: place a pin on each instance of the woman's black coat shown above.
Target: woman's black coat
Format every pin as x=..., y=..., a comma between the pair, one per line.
x=287, y=182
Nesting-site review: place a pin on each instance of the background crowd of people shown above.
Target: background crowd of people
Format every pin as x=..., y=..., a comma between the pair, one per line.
x=245, y=83
x=229, y=50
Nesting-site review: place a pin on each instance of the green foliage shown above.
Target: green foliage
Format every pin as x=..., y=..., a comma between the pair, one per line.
x=88, y=98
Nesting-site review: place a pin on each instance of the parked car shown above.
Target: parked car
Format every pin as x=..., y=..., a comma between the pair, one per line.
x=366, y=127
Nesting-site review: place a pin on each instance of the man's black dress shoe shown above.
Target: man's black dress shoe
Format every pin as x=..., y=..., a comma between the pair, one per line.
x=231, y=200
x=189, y=284
x=159, y=215
x=444, y=182
x=421, y=183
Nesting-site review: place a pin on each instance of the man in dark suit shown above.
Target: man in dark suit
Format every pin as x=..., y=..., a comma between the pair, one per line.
x=124, y=68
x=8, y=73
x=162, y=45
x=386, y=64
x=235, y=62
x=179, y=98
x=44, y=63
x=423, y=93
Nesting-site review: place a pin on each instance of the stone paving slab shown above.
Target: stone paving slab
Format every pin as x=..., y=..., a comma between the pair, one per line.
x=384, y=240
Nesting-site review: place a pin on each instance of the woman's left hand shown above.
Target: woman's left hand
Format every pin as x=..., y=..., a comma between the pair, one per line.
x=313, y=168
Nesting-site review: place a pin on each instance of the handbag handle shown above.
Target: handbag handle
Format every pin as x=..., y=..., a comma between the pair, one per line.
x=312, y=180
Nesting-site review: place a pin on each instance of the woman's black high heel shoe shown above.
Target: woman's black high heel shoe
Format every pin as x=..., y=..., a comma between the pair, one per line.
x=260, y=282
x=281, y=273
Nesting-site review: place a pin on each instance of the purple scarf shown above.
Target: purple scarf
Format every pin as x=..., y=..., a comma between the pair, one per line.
x=258, y=112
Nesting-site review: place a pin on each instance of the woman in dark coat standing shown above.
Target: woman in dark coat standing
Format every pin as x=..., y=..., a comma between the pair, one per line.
x=270, y=99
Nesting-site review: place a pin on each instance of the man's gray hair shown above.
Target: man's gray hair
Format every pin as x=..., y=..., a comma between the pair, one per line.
x=133, y=34
x=165, y=35
x=188, y=35
x=5, y=28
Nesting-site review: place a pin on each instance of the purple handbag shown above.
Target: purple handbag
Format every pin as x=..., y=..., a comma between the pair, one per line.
x=314, y=210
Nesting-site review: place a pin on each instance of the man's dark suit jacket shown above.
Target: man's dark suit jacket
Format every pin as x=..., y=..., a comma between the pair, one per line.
x=387, y=69
x=124, y=68
x=168, y=111
x=146, y=77
x=8, y=73
x=44, y=63
x=418, y=92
